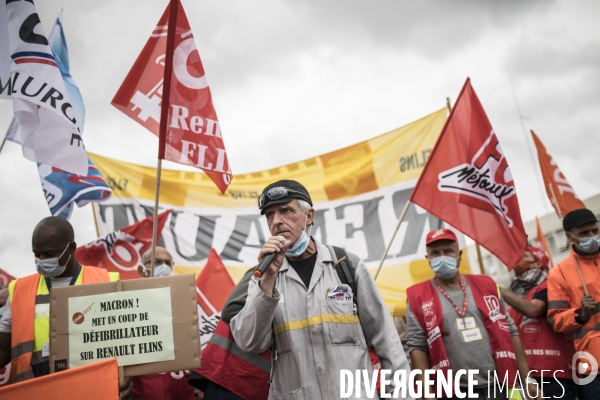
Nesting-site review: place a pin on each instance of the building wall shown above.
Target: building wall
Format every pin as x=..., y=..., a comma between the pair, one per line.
x=554, y=233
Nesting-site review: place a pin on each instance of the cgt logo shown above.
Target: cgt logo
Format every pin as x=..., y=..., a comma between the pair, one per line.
x=584, y=365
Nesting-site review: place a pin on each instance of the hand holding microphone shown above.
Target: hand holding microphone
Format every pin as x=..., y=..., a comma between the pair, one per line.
x=268, y=258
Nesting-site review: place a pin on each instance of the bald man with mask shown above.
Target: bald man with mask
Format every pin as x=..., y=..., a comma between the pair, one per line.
x=24, y=326
x=163, y=263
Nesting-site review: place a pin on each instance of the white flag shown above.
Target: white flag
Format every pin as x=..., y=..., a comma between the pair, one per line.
x=50, y=132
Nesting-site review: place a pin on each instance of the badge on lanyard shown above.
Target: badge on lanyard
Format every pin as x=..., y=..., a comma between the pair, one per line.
x=471, y=335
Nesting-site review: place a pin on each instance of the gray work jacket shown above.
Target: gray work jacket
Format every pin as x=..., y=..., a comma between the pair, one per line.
x=316, y=337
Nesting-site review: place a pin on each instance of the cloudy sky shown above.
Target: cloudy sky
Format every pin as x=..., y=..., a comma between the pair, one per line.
x=294, y=79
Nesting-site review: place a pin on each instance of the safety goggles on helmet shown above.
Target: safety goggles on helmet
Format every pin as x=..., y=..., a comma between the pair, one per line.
x=277, y=193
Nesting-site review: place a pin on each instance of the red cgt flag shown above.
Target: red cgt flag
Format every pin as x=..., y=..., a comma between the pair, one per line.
x=121, y=251
x=5, y=278
x=213, y=286
x=559, y=191
x=193, y=134
x=467, y=183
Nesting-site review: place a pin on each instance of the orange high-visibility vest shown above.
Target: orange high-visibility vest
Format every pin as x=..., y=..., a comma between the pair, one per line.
x=22, y=305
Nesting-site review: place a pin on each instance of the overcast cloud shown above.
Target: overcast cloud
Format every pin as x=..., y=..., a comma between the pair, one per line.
x=294, y=79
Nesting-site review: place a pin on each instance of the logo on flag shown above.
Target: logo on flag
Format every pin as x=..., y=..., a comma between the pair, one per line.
x=559, y=191
x=193, y=135
x=487, y=178
x=473, y=188
x=62, y=189
x=121, y=251
x=50, y=129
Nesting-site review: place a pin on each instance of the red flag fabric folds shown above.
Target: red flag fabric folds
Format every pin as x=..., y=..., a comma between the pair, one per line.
x=121, y=251
x=467, y=182
x=213, y=286
x=559, y=191
x=193, y=135
x=5, y=278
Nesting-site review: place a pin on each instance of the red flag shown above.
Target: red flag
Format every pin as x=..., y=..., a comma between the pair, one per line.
x=541, y=239
x=467, y=183
x=559, y=191
x=5, y=278
x=193, y=134
x=121, y=251
x=213, y=286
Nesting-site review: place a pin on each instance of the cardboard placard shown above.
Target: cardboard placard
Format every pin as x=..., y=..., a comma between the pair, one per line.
x=183, y=307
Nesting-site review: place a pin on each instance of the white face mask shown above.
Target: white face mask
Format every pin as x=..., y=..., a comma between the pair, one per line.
x=49, y=267
x=163, y=270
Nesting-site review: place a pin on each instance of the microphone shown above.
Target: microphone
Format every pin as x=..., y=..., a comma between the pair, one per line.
x=266, y=261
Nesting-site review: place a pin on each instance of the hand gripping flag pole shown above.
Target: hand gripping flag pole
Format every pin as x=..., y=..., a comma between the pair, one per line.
x=164, y=110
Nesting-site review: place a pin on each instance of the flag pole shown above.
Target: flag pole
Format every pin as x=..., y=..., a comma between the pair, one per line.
x=164, y=111
x=387, y=249
x=2, y=145
x=95, y=219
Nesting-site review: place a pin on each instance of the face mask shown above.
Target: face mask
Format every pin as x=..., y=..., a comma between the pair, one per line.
x=589, y=245
x=301, y=244
x=49, y=267
x=162, y=270
x=444, y=266
x=521, y=267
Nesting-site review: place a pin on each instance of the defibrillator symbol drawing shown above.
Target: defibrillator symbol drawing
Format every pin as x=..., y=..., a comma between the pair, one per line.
x=487, y=178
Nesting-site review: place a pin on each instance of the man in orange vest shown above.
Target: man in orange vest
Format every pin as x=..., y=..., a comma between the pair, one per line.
x=24, y=327
x=573, y=294
x=548, y=353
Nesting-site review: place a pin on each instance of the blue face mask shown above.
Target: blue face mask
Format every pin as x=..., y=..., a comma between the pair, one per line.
x=163, y=270
x=445, y=267
x=589, y=244
x=300, y=246
x=49, y=267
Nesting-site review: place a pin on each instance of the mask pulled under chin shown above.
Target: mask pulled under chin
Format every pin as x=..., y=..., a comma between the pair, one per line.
x=300, y=246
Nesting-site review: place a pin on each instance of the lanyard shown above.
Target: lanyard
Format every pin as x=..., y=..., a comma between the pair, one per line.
x=73, y=280
x=462, y=286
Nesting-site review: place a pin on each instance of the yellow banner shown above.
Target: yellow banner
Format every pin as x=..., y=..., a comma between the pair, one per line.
x=358, y=194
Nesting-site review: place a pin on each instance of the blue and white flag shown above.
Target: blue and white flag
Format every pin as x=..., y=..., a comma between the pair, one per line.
x=50, y=130
x=62, y=189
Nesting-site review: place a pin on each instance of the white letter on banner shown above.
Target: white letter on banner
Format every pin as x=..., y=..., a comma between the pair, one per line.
x=187, y=151
x=196, y=124
x=179, y=113
x=384, y=382
x=220, y=160
x=457, y=392
x=412, y=385
x=213, y=128
x=346, y=390
x=201, y=156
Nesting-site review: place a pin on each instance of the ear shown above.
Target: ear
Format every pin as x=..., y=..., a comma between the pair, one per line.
x=141, y=271
x=427, y=258
x=310, y=217
x=73, y=246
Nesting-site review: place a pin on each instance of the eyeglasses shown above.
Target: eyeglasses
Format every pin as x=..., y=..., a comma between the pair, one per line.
x=276, y=193
x=158, y=261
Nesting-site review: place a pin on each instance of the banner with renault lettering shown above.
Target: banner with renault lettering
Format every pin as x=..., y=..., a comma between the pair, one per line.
x=358, y=193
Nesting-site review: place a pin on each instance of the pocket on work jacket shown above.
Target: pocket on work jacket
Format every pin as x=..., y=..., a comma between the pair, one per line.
x=298, y=394
x=341, y=321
